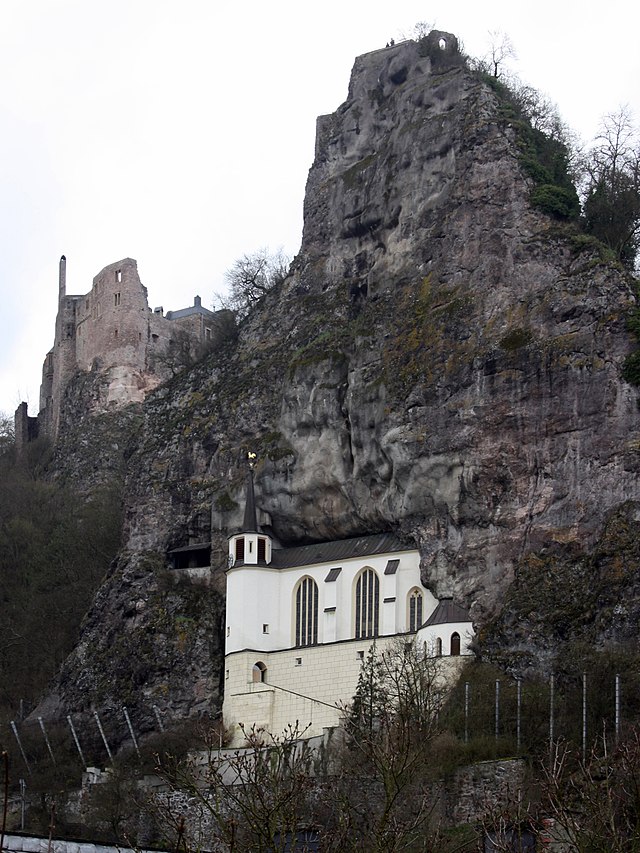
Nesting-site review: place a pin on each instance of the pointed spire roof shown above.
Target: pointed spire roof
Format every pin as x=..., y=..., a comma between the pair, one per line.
x=250, y=522
x=447, y=612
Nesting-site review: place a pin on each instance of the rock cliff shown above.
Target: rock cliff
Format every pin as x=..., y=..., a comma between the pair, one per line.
x=443, y=361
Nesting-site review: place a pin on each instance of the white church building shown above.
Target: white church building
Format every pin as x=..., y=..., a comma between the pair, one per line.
x=299, y=622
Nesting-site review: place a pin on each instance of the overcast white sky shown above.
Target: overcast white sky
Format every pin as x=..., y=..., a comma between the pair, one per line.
x=181, y=133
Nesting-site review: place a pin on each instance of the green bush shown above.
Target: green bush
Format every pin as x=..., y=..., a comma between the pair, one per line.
x=543, y=156
x=515, y=339
x=556, y=201
x=631, y=368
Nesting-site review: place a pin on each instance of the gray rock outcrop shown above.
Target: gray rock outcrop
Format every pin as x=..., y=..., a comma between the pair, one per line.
x=443, y=361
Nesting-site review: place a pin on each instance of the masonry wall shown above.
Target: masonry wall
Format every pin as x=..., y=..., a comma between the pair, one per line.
x=111, y=330
x=26, y=428
x=308, y=684
x=113, y=319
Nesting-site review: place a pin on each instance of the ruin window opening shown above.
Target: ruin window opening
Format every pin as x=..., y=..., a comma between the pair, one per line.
x=116, y=299
x=442, y=44
x=118, y=276
x=115, y=333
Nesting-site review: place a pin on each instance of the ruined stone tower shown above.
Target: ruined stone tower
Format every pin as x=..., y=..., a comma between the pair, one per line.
x=112, y=332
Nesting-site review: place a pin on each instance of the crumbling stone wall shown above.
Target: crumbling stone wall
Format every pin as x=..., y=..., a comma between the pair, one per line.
x=480, y=788
x=112, y=330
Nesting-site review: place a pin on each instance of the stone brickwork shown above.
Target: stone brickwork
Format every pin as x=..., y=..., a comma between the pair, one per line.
x=26, y=428
x=309, y=684
x=481, y=788
x=112, y=330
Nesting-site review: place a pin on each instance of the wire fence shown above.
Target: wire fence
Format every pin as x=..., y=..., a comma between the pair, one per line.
x=86, y=735
x=517, y=715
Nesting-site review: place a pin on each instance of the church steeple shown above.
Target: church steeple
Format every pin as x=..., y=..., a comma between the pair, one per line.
x=249, y=547
x=250, y=523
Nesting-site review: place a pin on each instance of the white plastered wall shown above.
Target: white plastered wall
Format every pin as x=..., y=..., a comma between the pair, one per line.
x=427, y=637
x=261, y=610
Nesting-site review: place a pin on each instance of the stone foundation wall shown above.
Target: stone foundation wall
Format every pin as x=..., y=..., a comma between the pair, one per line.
x=309, y=685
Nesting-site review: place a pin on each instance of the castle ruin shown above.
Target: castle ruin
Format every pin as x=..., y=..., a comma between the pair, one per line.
x=112, y=331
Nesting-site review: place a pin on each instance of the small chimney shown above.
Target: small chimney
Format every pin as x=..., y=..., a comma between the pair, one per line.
x=197, y=302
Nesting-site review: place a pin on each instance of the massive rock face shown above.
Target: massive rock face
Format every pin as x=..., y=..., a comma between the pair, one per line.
x=444, y=362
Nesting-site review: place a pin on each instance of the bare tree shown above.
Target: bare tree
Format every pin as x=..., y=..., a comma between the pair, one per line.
x=383, y=800
x=7, y=433
x=421, y=29
x=612, y=186
x=255, y=799
x=596, y=804
x=253, y=275
x=500, y=49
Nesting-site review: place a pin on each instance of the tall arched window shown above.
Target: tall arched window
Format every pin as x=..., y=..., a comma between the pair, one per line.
x=415, y=609
x=306, y=612
x=455, y=643
x=367, y=605
x=438, y=647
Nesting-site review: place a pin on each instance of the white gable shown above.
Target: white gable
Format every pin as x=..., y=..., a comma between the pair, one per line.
x=261, y=608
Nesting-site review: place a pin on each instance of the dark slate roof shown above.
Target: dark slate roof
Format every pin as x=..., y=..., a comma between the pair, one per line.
x=334, y=552
x=203, y=546
x=447, y=611
x=250, y=523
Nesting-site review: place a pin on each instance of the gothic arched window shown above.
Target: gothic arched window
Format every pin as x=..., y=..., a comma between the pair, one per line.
x=415, y=609
x=306, y=598
x=455, y=643
x=367, y=612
